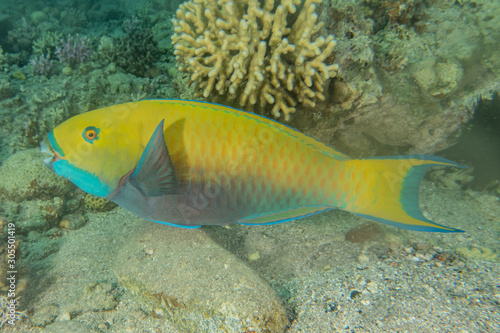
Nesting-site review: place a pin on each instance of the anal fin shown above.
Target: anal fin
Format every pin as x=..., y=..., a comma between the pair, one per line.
x=283, y=215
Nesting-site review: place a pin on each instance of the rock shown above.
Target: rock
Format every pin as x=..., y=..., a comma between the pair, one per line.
x=44, y=315
x=391, y=128
x=196, y=284
x=438, y=78
x=149, y=276
x=254, y=256
x=477, y=252
x=39, y=215
x=24, y=176
x=363, y=259
x=64, y=316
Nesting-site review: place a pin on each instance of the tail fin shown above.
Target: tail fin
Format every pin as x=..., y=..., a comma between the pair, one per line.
x=386, y=190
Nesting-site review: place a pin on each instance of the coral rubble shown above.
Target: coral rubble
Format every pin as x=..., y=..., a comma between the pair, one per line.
x=257, y=53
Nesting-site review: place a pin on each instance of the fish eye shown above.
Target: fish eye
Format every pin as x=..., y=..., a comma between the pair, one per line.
x=90, y=134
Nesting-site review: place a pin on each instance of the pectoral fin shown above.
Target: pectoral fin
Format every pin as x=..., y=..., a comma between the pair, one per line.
x=155, y=174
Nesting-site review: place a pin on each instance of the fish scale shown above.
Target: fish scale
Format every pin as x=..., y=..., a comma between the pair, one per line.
x=188, y=163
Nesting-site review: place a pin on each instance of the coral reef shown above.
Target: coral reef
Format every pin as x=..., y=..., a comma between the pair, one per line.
x=24, y=177
x=47, y=43
x=3, y=59
x=257, y=53
x=42, y=65
x=74, y=50
x=408, y=12
x=438, y=78
x=98, y=204
x=137, y=52
x=74, y=17
x=21, y=37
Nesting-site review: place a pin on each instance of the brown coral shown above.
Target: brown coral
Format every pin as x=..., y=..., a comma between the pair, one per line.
x=255, y=53
x=98, y=204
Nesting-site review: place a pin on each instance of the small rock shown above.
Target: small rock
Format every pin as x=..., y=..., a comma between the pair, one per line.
x=446, y=256
x=363, y=259
x=422, y=246
x=64, y=316
x=254, y=256
x=72, y=221
x=372, y=287
x=408, y=249
x=44, y=315
x=355, y=294
x=363, y=233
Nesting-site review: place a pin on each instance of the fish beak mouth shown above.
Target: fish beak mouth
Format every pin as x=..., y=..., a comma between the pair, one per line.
x=50, y=156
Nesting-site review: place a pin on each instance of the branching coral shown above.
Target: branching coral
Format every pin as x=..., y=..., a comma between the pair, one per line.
x=74, y=50
x=270, y=54
x=137, y=52
x=42, y=65
x=47, y=43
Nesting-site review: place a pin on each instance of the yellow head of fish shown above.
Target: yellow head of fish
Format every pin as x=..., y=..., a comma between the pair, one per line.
x=94, y=150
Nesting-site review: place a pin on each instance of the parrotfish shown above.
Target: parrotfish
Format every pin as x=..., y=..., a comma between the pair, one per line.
x=188, y=163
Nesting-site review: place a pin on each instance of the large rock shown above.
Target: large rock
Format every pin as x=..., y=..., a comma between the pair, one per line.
x=127, y=274
x=186, y=277
x=24, y=177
